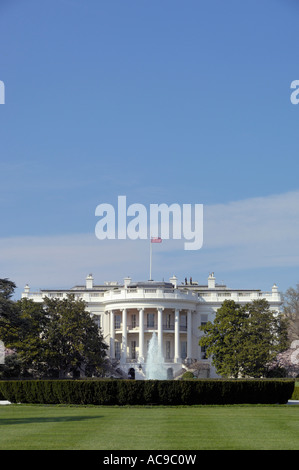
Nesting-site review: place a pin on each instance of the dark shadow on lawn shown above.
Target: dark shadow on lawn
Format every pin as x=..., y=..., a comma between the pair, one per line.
x=52, y=419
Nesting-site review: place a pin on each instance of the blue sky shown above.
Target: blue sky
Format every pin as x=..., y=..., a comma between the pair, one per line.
x=161, y=101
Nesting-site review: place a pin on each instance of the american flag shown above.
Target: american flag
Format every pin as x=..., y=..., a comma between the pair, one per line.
x=156, y=240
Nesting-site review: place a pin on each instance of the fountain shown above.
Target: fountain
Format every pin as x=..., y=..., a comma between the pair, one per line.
x=154, y=367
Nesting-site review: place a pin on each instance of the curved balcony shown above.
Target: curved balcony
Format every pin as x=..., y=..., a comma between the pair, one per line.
x=149, y=297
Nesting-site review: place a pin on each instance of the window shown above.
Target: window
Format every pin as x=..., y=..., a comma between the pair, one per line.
x=98, y=320
x=183, y=322
x=150, y=320
x=168, y=325
x=183, y=349
x=167, y=349
x=117, y=350
x=133, y=349
x=117, y=321
x=133, y=319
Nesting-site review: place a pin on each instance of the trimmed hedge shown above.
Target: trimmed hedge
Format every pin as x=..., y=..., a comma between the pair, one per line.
x=148, y=392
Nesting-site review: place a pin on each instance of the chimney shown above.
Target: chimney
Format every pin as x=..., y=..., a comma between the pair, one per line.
x=26, y=291
x=127, y=281
x=274, y=289
x=174, y=281
x=89, y=282
x=211, y=281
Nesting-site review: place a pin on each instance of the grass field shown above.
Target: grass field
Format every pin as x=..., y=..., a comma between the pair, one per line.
x=37, y=427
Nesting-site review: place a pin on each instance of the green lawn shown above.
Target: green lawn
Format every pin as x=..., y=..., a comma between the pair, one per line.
x=149, y=428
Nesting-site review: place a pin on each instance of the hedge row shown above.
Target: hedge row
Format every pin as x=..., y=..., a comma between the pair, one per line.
x=143, y=392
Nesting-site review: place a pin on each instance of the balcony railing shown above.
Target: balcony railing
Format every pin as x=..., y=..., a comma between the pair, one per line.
x=150, y=327
x=148, y=293
x=237, y=296
x=130, y=360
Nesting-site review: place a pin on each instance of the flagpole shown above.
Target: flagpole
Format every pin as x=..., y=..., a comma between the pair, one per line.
x=153, y=240
x=150, y=278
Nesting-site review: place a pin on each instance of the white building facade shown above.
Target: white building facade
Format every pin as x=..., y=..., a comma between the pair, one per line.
x=132, y=312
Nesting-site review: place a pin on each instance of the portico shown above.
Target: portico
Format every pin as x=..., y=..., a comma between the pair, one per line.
x=132, y=328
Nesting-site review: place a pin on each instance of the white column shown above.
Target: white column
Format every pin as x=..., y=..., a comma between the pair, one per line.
x=189, y=334
x=141, y=335
x=112, y=335
x=177, y=335
x=124, y=336
x=160, y=330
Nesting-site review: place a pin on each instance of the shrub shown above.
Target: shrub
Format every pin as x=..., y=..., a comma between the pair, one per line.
x=187, y=376
x=143, y=392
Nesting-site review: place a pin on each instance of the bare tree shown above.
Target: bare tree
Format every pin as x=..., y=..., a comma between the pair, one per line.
x=291, y=312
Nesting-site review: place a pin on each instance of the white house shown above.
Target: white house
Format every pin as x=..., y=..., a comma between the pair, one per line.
x=131, y=313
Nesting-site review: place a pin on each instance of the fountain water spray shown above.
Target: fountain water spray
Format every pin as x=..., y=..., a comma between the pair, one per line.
x=154, y=367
